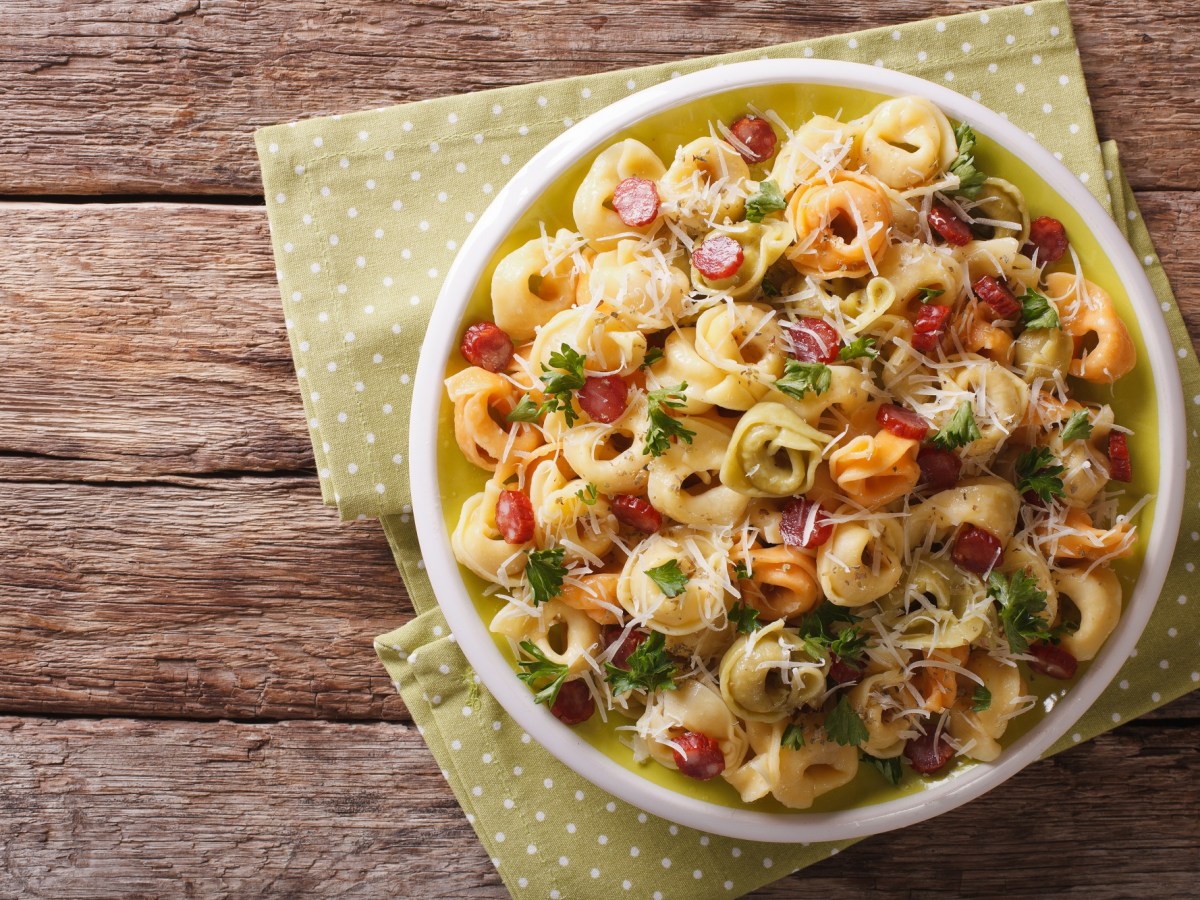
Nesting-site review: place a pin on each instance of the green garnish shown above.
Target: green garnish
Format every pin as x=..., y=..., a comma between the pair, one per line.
x=561, y=377
x=793, y=737
x=664, y=426
x=1020, y=601
x=981, y=700
x=545, y=573
x=650, y=669
x=671, y=579
x=744, y=617
x=890, y=769
x=769, y=288
x=539, y=669
x=525, y=411
x=741, y=572
x=1078, y=427
x=817, y=631
x=860, y=346
x=653, y=355
x=959, y=431
x=588, y=494
x=928, y=295
x=768, y=198
x=1037, y=311
x=844, y=726
x=801, y=377
x=1039, y=472
x=970, y=179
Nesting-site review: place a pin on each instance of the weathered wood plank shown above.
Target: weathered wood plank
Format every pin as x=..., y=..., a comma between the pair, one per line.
x=124, y=807
x=162, y=96
x=126, y=325
x=240, y=598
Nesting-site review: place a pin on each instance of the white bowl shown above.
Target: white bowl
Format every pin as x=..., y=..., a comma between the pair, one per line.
x=472, y=633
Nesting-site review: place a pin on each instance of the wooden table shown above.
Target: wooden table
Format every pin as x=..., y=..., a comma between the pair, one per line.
x=189, y=702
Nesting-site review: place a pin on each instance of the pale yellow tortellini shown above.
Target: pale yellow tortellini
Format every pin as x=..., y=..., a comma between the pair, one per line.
x=879, y=700
x=983, y=730
x=768, y=674
x=707, y=184
x=1103, y=349
x=793, y=777
x=874, y=470
x=913, y=267
x=705, y=598
x=685, y=481
x=903, y=369
x=987, y=502
x=592, y=209
x=762, y=244
x=1041, y=352
x=693, y=706
x=642, y=286
x=535, y=281
x=744, y=341
x=610, y=456
x=820, y=144
x=773, y=453
x=1085, y=461
x=907, y=142
x=1096, y=597
x=481, y=401
x=566, y=635
x=477, y=543
x=681, y=364
x=864, y=307
x=1000, y=402
x=610, y=344
x=937, y=607
x=1001, y=201
x=861, y=561
x=1002, y=259
x=561, y=516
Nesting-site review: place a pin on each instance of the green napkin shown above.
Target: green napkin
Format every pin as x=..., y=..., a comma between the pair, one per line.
x=367, y=211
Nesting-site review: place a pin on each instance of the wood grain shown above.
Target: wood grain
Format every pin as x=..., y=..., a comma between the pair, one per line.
x=162, y=96
x=122, y=807
x=240, y=598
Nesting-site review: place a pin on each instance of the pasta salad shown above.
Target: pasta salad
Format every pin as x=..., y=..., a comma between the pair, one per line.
x=788, y=474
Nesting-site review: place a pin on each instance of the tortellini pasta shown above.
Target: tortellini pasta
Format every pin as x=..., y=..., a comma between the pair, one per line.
x=593, y=210
x=535, y=281
x=772, y=453
x=706, y=184
x=907, y=141
x=769, y=674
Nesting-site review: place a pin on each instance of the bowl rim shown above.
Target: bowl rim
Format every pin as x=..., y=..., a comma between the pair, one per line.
x=470, y=631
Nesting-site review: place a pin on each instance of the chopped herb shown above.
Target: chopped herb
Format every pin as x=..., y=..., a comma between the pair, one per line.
x=653, y=355
x=1065, y=627
x=767, y=199
x=650, y=668
x=890, y=769
x=741, y=572
x=539, y=669
x=1037, y=311
x=671, y=579
x=561, y=377
x=849, y=645
x=770, y=288
x=959, y=431
x=928, y=295
x=793, y=737
x=1078, y=427
x=545, y=573
x=844, y=726
x=744, y=617
x=981, y=700
x=970, y=179
x=664, y=426
x=860, y=346
x=801, y=377
x=817, y=632
x=588, y=494
x=525, y=411
x=1039, y=472
x=1020, y=602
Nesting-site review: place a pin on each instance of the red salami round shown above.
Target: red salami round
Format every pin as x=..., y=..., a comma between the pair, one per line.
x=701, y=758
x=636, y=201
x=997, y=295
x=926, y=754
x=1049, y=238
x=720, y=256
x=952, y=229
x=604, y=397
x=636, y=512
x=803, y=525
x=902, y=422
x=574, y=703
x=1120, y=467
x=812, y=340
x=757, y=138
x=514, y=517
x=929, y=326
x=939, y=468
x=1052, y=660
x=842, y=672
x=487, y=345
x=976, y=550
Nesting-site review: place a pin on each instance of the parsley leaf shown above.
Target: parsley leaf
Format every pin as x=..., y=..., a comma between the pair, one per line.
x=801, y=377
x=539, y=669
x=860, y=346
x=664, y=426
x=650, y=668
x=793, y=737
x=959, y=431
x=653, y=355
x=844, y=726
x=588, y=494
x=561, y=377
x=744, y=617
x=820, y=638
x=525, y=411
x=849, y=645
x=970, y=179
x=928, y=295
x=981, y=700
x=1039, y=472
x=545, y=572
x=890, y=769
x=1037, y=311
x=741, y=572
x=1079, y=426
x=770, y=288
x=670, y=579
x=768, y=198
x=1020, y=602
